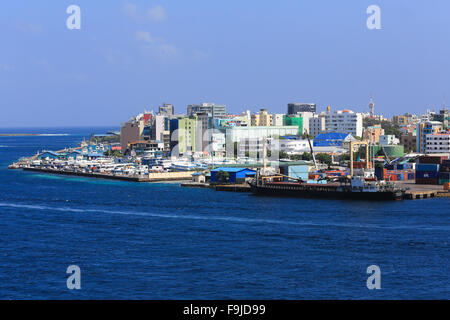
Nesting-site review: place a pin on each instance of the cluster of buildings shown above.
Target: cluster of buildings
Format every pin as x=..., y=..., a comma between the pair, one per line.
x=207, y=130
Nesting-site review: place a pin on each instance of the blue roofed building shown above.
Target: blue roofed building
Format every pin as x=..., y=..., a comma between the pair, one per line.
x=93, y=155
x=48, y=155
x=332, y=139
x=75, y=154
x=235, y=175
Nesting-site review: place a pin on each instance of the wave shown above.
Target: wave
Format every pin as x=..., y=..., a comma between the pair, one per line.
x=218, y=218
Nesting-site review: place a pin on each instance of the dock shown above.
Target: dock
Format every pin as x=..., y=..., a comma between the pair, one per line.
x=423, y=191
x=218, y=187
x=413, y=192
x=151, y=177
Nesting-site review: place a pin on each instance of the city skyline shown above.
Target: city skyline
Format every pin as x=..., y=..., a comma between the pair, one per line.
x=139, y=54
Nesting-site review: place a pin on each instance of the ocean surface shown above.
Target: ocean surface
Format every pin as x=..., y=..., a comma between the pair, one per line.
x=162, y=241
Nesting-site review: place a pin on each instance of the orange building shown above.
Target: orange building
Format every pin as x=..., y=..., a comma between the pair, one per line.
x=372, y=134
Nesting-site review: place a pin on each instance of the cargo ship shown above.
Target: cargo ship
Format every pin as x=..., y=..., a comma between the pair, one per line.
x=356, y=189
x=352, y=187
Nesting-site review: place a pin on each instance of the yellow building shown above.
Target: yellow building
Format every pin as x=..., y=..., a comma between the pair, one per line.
x=372, y=134
x=400, y=120
x=263, y=119
x=187, y=130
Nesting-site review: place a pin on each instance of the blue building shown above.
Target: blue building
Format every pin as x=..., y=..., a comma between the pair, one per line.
x=236, y=175
x=332, y=139
x=48, y=155
x=93, y=155
x=296, y=170
x=74, y=155
x=173, y=125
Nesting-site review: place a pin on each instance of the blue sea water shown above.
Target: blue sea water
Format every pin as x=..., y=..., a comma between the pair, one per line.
x=162, y=241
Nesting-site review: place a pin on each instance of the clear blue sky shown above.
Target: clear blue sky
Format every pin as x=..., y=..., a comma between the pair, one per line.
x=134, y=54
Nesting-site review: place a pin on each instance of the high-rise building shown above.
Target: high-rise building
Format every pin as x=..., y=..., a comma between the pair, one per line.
x=438, y=143
x=187, y=129
x=213, y=110
x=263, y=118
x=131, y=131
x=158, y=127
x=306, y=116
x=444, y=117
x=203, y=132
x=294, y=120
x=277, y=119
x=296, y=107
x=372, y=133
x=317, y=125
x=344, y=121
x=422, y=130
x=166, y=110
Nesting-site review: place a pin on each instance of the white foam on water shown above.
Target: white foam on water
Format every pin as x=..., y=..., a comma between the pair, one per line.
x=218, y=218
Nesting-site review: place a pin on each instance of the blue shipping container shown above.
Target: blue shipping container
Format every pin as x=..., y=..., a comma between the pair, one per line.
x=427, y=174
x=427, y=167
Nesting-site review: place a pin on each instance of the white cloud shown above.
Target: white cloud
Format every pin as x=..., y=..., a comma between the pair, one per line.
x=168, y=51
x=131, y=11
x=157, y=47
x=155, y=14
x=145, y=36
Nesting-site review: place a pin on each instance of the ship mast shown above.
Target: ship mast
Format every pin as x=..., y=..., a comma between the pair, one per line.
x=264, y=154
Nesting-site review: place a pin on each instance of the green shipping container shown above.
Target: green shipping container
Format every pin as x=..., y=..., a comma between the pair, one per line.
x=442, y=181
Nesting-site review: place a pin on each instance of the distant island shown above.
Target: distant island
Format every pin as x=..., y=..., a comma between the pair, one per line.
x=31, y=134
x=18, y=134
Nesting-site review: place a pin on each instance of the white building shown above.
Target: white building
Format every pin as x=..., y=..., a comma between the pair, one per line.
x=388, y=140
x=158, y=128
x=422, y=130
x=306, y=116
x=344, y=121
x=235, y=134
x=316, y=125
x=289, y=146
x=277, y=119
x=438, y=143
x=218, y=144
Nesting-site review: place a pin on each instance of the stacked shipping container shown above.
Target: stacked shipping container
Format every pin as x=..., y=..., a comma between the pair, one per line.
x=444, y=173
x=427, y=170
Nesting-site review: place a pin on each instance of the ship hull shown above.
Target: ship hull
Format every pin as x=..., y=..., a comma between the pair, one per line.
x=277, y=191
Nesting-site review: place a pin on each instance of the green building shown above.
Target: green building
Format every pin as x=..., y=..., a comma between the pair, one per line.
x=393, y=151
x=187, y=130
x=294, y=121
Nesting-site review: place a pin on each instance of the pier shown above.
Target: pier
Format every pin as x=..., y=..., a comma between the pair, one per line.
x=413, y=192
x=151, y=177
x=423, y=191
